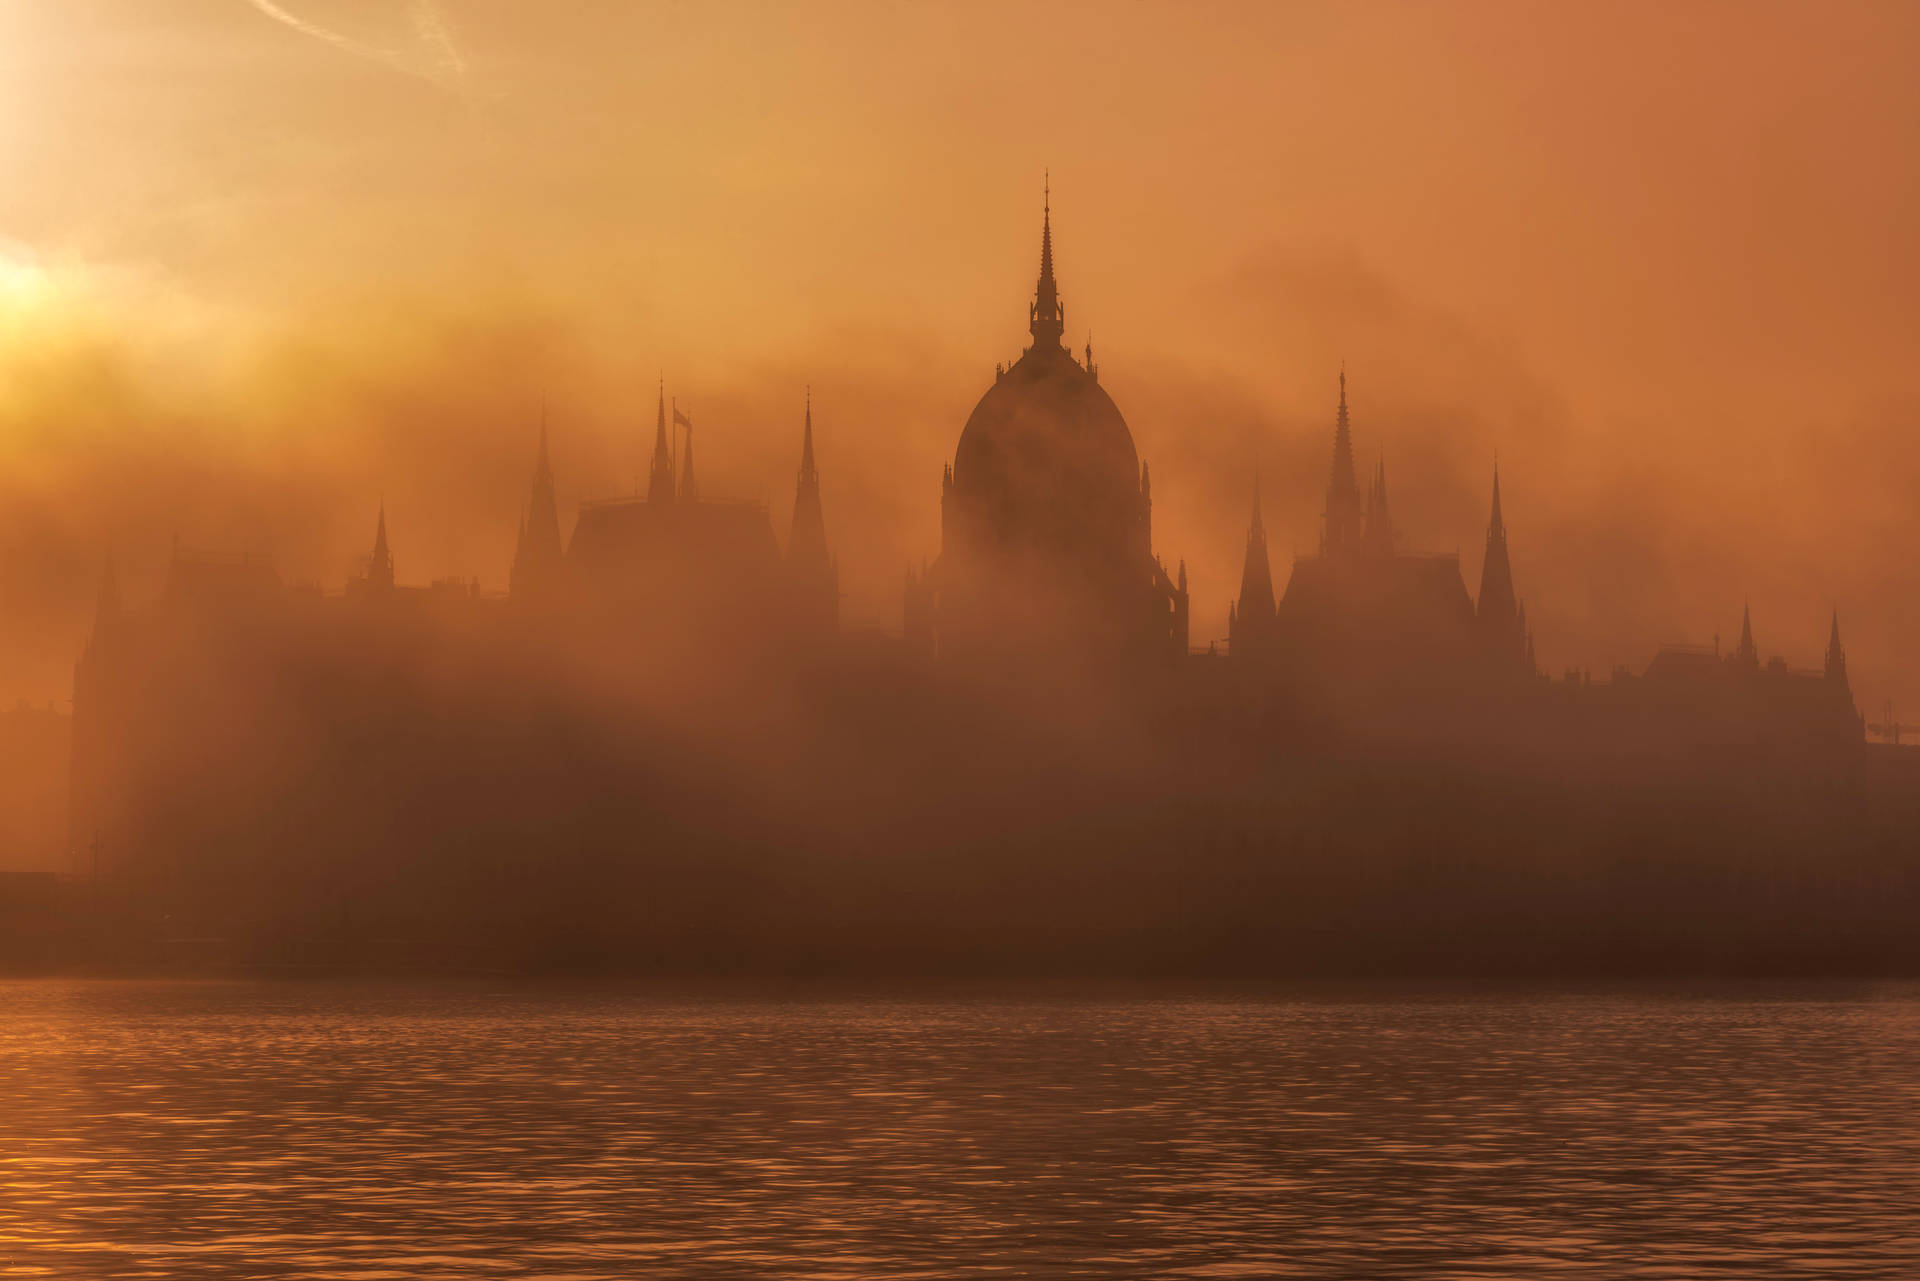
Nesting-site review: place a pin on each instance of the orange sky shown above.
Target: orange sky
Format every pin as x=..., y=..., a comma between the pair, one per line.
x=266, y=262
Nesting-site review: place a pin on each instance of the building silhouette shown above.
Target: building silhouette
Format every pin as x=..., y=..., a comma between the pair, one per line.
x=538, y=574
x=1251, y=617
x=812, y=573
x=1498, y=613
x=1362, y=615
x=1046, y=554
x=452, y=721
x=675, y=561
x=1688, y=688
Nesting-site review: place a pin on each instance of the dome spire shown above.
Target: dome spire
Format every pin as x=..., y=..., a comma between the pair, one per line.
x=1047, y=318
x=808, y=474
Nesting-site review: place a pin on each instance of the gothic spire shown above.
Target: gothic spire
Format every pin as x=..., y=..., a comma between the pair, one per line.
x=1747, y=653
x=812, y=571
x=660, y=474
x=1256, y=575
x=1047, y=318
x=1836, y=654
x=1343, y=531
x=380, y=564
x=1498, y=611
x=808, y=474
x=1379, y=535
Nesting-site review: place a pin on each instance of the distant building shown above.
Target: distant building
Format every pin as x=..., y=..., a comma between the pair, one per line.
x=1046, y=550
x=1364, y=611
x=674, y=558
x=813, y=576
x=195, y=714
x=1697, y=693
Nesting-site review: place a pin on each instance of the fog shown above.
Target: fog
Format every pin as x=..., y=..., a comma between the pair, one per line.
x=265, y=267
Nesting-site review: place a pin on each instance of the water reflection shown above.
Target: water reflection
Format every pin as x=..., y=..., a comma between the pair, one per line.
x=214, y=1130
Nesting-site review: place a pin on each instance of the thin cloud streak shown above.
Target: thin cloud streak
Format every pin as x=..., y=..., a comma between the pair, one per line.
x=448, y=67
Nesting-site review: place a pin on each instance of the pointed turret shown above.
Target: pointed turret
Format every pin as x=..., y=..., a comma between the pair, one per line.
x=1047, y=319
x=1379, y=536
x=1250, y=618
x=1498, y=611
x=1747, y=654
x=660, y=473
x=1182, y=615
x=1837, y=657
x=380, y=563
x=538, y=554
x=811, y=568
x=1342, y=533
x=1143, y=528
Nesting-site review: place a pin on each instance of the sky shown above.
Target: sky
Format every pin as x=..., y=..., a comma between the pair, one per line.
x=266, y=265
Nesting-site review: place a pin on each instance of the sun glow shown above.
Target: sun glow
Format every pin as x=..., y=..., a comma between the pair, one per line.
x=23, y=278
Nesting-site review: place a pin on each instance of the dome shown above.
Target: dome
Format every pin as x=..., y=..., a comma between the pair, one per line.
x=1046, y=520
x=1046, y=446
x=1046, y=463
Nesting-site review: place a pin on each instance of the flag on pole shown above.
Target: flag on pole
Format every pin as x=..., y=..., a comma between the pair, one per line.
x=680, y=419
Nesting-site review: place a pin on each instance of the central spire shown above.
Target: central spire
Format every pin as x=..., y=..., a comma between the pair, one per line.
x=1047, y=318
x=1344, y=521
x=809, y=475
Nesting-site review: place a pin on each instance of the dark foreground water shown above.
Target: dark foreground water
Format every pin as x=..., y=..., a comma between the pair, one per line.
x=224, y=1130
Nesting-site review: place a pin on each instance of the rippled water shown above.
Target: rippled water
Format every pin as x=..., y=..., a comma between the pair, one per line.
x=199, y=1130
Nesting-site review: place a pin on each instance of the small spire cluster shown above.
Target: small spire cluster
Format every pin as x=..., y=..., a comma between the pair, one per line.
x=1047, y=319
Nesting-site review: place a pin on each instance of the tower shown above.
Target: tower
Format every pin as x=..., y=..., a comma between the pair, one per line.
x=1046, y=518
x=1182, y=618
x=660, y=473
x=1047, y=318
x=1342, y=533
x=1250, y=619
x=1497, y=614
x=1837, y=660
x=1747, y=655
x=380, y=563
x=1378, y=539
x=810, y=568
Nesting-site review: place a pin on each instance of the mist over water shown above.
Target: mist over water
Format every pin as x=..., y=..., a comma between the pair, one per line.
x=215, y=1130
